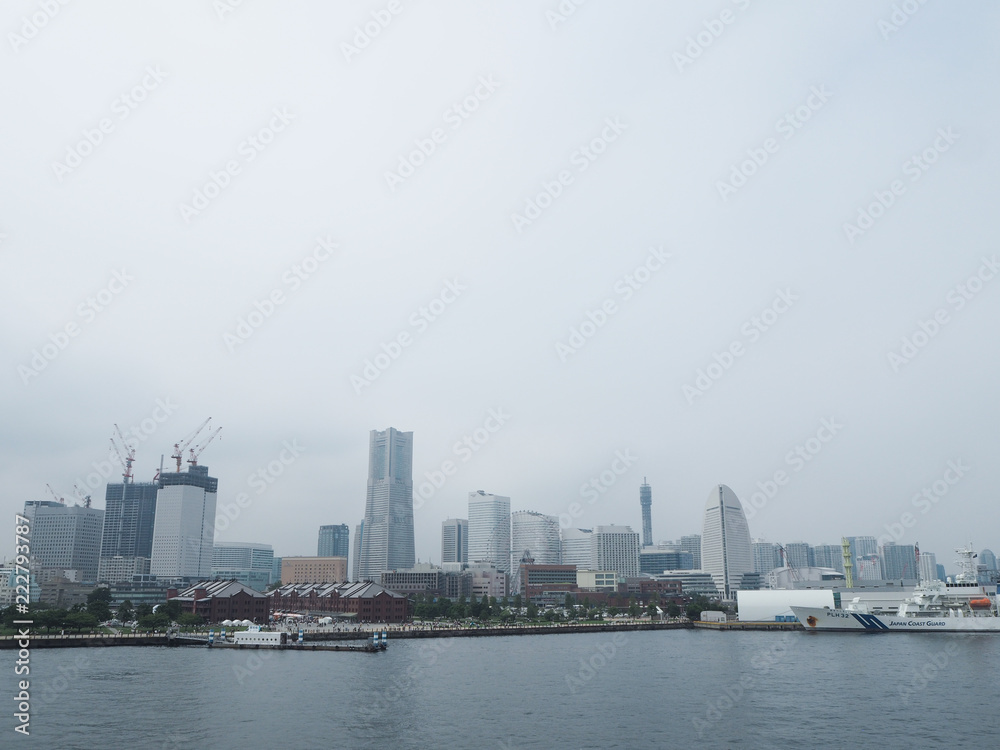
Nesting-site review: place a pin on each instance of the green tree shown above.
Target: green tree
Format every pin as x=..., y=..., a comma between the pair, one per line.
x=532, y=610
x=651, y=608
x=612, y=611
x=569, y=601
x=517, y=602
x=81, y=620
x=125, y=611
x=633, y=607
x=143, y=610
x=188, y=619
x=51, y=618
x=484, y=607
x=673, y=609
x=99, y=603
x=154, y=621
x=171, y=609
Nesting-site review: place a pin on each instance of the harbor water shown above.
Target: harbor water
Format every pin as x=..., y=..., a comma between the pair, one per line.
x=680, y=688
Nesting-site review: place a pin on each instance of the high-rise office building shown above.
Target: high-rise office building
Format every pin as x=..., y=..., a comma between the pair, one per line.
x=828, y=556
x=797, y=555
x=616, y=548
x=576, y=548
x=334, y=541
x=692, y=543
x=646, y=503
x=654, y=561
x=899, y=561
x=184, y=530
x=65, y=537
x=726, y=551
x=535, y=537
x=988, y=560
x=127, y=540
x=868, y=568
x=250, y=563
x=928, y=566
x=862, y=546
x=766, y=557
x=356, y=560
x=489, y=529
x=455, y=541
x=387, y=541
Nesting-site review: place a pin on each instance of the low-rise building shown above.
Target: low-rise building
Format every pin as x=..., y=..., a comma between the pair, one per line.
x=223, y=600
x=366, y=601
x=537, y=580
x=597, y=580
x=313, y=569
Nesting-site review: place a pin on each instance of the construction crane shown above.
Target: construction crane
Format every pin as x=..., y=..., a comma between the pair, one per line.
x=792, y=570
x=125, y=453
x=196, y=451
x=86, y=498
x=180, y=447
x=57, y=497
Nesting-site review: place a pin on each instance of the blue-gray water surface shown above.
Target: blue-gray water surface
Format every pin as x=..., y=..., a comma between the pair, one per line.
x=644, y=689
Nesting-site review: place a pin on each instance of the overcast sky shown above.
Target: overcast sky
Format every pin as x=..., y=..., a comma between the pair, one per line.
x=758, y=218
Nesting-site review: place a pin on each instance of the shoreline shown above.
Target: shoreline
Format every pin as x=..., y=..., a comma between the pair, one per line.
x=87, y=640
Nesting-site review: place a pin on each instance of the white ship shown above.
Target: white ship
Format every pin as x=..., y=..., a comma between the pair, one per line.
x=965, y=605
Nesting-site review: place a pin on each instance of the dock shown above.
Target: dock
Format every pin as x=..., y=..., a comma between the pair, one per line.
x=737, y=625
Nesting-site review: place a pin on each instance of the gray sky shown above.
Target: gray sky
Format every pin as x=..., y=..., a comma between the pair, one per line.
x=493, y=175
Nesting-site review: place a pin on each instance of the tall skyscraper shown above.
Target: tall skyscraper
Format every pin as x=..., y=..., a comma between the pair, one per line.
x=127, y=541
x=692, y=543
x=387, y=543
x=928, y=566
x=726, y=552
x=455, y=541
x=797, y=555
x=356, y=561
x=576, y=548
x=863, y=546
x=65, y=537
x=489, y=529
x=988, y=560
x=899, y=561
x=184, y=530
x=766, y=557
x=534, y=536
x=646, y=502
x=334, y=541
x=828, y=556
x=616, y=548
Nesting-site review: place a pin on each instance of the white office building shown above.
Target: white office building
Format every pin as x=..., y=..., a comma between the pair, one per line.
x=184, y=530
x=616, y=548
x=726, y=552
x=489, y=529
x=576, y=548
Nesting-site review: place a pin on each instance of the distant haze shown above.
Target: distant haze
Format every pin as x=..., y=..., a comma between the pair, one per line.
x=735, y=242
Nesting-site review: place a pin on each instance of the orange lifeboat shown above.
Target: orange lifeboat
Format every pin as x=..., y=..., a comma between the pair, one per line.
x=983, y=603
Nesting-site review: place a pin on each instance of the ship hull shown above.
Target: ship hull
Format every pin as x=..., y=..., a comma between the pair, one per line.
x=817, y=618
